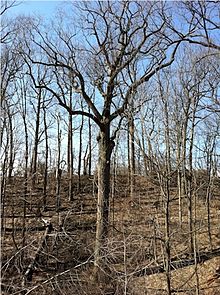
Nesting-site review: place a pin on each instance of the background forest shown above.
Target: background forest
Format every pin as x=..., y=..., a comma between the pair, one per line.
x=110, y=149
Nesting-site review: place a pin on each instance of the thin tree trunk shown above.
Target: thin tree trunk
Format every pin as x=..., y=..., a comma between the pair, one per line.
x=189, y=196
x=90, y=147
x=132, y=156
x=184, y=184
x=70, y=158
x=150, y=153
x=11, y=147
x=58, y=169
x=190, y=178
x=3, y=183
x=25, y=179
x=129, y=155
x=3, y=125
x=179, y=178
x=167, y=236
x=114, y=172
x=195, y=245
x=144, y=149
x=46, y=161
x=80, y=154
x=208, y=192
x=165, y=186
x=85, y=161
x=36, y=140
x=167, y=200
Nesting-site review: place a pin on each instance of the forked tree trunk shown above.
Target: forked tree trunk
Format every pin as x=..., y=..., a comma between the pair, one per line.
x=106, y=146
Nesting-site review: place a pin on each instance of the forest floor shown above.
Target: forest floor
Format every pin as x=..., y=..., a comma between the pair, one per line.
x=58, y=246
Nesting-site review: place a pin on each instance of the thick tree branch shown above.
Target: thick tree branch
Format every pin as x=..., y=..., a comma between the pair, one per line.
x=81, y=79
x=133, y=87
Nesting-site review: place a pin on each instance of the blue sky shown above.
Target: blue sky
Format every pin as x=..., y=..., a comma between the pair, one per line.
x=30, y=7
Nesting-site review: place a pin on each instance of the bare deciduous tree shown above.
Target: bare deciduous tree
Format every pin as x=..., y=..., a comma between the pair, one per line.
x=116, y=36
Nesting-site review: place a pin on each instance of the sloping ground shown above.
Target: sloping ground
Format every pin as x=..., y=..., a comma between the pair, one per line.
x=135, y=245
x=183, y=280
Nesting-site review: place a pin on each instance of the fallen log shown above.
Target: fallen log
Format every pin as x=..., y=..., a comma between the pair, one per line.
x=30, y=269
x=76, y=226
x=27, y=229
x=179, y=262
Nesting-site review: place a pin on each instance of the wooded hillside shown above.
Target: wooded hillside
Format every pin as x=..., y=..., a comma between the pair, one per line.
x=110, y=149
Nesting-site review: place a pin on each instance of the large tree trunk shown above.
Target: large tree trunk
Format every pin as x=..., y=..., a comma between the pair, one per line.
x=105, y=150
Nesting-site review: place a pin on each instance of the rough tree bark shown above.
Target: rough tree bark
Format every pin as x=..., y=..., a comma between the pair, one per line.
x=106, y=145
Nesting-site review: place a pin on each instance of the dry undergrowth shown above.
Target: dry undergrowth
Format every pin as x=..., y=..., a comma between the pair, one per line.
x=135, y=242
x=183, y=281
